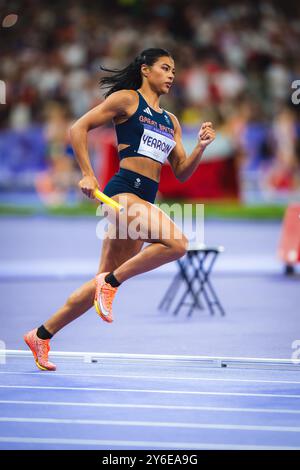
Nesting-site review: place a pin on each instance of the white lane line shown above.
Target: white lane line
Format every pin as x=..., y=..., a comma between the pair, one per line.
x=150, y=407
x=142, y=444
x=132, y=390
x=151, y=424
x=150, y=377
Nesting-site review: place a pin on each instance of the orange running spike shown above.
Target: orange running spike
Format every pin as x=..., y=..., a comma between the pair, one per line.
x=104, y=297
x=40, y=349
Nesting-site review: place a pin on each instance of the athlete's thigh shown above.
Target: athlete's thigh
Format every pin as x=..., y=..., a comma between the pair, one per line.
x=116, y=251
x=147, y=222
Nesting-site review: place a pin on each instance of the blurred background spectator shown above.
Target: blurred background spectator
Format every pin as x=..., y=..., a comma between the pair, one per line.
x=235, y=64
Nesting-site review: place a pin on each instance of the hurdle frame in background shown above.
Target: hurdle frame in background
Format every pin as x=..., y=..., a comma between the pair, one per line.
x=165, y=359
x=195, y=267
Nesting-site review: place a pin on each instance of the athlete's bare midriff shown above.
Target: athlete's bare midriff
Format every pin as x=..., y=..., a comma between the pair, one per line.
x=143, y=165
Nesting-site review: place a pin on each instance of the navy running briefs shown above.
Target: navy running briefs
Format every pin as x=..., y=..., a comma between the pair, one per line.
x=128, y=181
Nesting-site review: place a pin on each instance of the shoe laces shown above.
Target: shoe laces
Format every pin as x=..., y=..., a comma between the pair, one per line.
x=44, y=349
x=108, y=294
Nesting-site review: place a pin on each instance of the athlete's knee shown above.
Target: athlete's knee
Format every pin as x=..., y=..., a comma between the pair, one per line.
x=80, y=295
x=73, y=299
x=180, y=247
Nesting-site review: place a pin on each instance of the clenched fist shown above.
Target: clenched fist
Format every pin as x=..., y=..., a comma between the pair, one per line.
x=206, y=134
x=88, y=184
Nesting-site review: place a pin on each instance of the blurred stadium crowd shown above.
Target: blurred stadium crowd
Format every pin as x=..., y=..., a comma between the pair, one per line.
x=235, y=65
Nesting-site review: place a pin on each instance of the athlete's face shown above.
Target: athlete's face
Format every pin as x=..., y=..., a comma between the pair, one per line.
x=161, y=74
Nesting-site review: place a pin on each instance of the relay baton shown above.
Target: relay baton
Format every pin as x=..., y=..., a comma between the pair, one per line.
x=107, y=200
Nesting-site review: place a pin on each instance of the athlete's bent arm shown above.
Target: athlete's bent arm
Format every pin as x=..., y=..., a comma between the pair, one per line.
x=114, y=105
x=182, y=165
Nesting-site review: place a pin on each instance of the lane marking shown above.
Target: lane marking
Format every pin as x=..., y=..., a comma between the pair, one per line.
x=132, y=390
x=142, y=444
x=151, y=424
x=155, y=377
x=150, y=407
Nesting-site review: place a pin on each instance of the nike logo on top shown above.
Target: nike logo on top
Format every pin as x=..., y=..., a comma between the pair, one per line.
x=147, y=110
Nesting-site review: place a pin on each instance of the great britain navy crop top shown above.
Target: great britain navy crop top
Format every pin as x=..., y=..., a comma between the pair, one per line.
x=147, y=132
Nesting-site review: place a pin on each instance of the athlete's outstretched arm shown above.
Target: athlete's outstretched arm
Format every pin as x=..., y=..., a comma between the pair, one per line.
x=184, y=166
x=114, y=105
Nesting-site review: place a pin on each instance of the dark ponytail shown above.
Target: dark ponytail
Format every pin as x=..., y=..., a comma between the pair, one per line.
x=130, y=78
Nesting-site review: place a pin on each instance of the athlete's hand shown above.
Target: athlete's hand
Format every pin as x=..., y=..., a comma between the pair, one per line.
x=88, y=184
x=206, y=135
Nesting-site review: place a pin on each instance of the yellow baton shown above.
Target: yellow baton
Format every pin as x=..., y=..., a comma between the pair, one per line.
x=107, y=200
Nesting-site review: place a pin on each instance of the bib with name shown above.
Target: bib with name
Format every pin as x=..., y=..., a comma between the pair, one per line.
x=156, y=144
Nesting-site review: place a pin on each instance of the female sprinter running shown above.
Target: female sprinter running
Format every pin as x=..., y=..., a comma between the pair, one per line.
x=147, y=135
